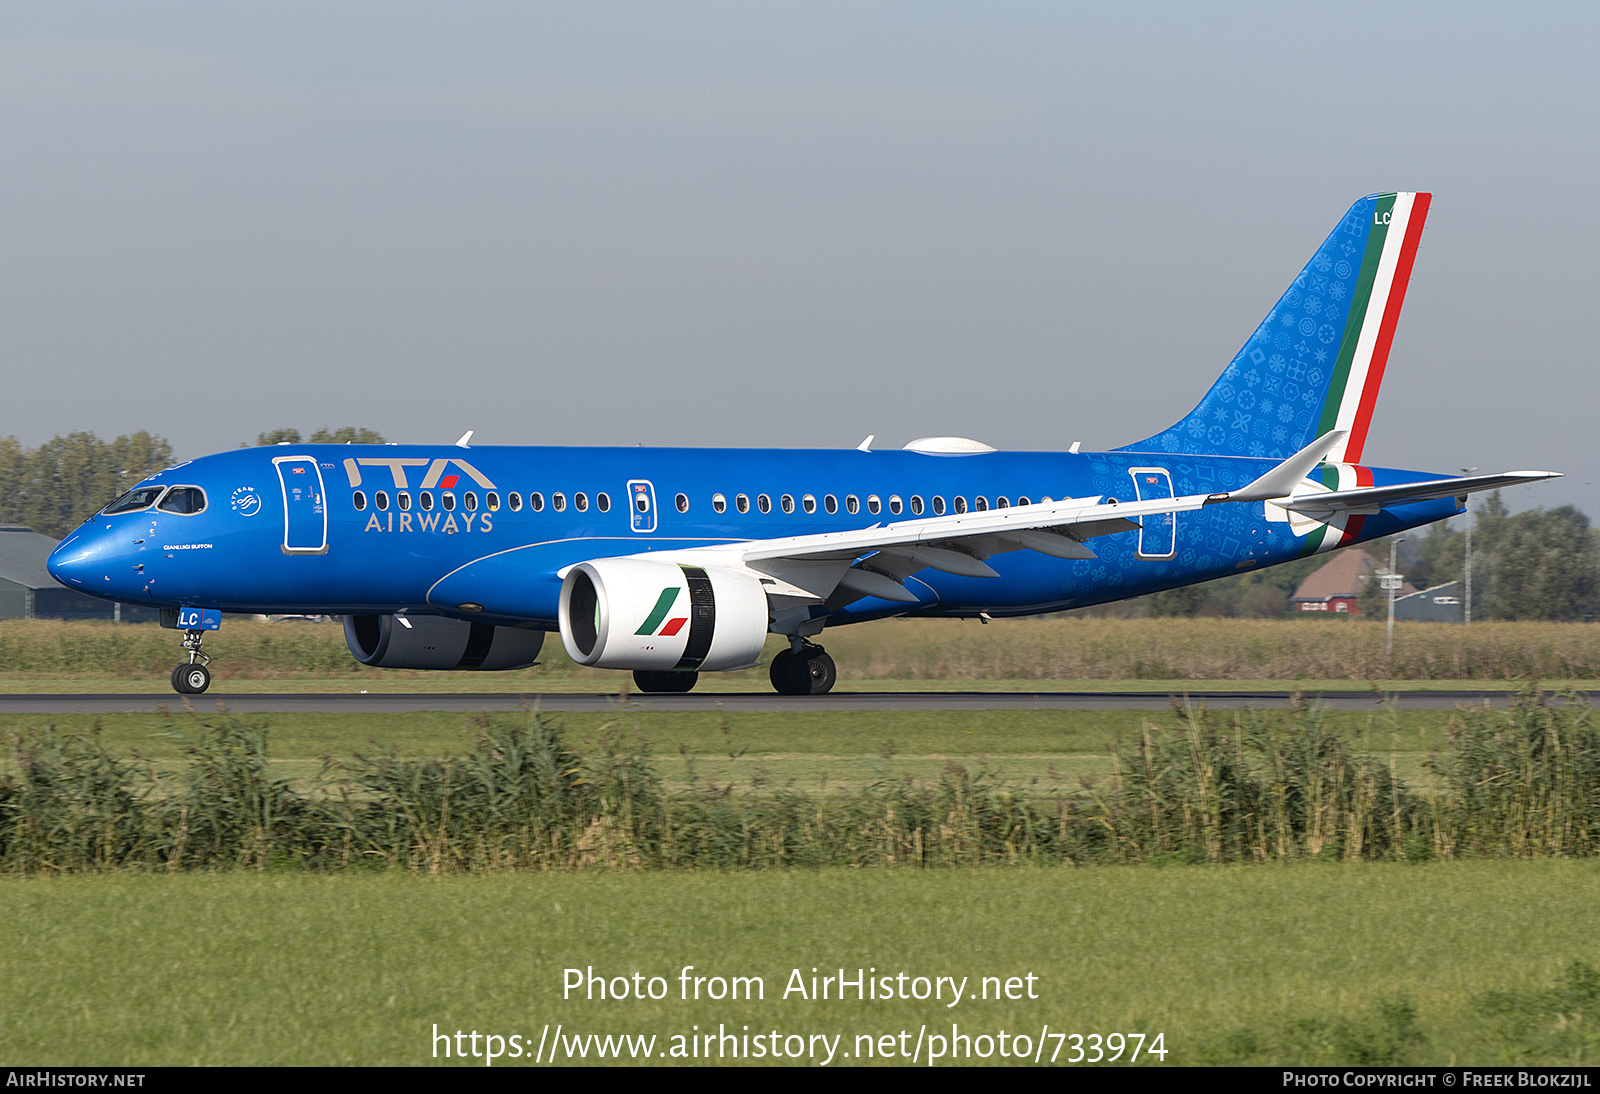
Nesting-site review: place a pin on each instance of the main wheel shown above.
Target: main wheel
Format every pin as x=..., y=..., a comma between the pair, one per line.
x=778, y=672
x=657, y=683
x=813, y=673
x=810, y=672
x=191, y=679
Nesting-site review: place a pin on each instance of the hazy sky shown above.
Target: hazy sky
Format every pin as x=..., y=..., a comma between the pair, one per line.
x=770, y=224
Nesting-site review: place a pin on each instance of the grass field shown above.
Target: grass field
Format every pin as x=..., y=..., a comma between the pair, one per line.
x=44, y=655
x=810, y=752
x=1446, y=963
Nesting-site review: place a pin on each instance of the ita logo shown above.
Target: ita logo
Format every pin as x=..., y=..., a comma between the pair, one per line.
x=246, y=502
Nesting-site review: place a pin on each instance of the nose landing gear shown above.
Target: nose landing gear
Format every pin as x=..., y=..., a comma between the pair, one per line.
x=803, y=669
x=192, y=678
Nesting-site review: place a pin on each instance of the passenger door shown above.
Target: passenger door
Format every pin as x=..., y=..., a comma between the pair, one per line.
x=305, y=505
x=1158, y=532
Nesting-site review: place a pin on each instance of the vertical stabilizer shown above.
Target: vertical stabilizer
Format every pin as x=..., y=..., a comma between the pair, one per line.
x=1316, y=362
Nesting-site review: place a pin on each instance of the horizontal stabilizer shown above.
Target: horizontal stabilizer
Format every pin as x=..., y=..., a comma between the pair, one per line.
x=1373, y=498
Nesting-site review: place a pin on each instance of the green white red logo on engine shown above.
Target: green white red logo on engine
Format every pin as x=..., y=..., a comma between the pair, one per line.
x=663, y=608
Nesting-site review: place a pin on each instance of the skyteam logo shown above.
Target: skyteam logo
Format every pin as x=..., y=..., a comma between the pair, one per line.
x=663, y=608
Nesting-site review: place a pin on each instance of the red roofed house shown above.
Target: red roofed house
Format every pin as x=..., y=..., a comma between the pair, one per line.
x=1336, y=587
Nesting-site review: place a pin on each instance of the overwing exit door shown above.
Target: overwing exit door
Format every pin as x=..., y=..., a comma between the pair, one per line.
x=305, y=505
x=641, y=505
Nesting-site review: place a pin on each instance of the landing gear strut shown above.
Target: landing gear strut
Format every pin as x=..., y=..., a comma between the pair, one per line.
x=193, y=677
x=659, y=682
x=803, y=669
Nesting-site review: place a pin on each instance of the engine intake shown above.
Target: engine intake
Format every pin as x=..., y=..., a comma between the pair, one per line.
x=637, y=613
x=433, y=642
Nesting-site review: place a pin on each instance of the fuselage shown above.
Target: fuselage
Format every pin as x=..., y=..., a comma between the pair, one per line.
x=347, y=529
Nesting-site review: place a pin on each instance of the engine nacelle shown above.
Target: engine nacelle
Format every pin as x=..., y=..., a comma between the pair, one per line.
x=637, y=613
x=433, y=642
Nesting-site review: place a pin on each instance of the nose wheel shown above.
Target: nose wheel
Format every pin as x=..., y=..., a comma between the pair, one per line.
x=192, y=678
x=806, y=670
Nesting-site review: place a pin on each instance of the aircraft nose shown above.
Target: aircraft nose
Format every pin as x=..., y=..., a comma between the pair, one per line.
x=74, y=561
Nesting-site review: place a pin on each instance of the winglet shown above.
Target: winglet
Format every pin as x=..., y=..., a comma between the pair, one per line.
x=866, y=445
x=1281, y=480
x=465, y=437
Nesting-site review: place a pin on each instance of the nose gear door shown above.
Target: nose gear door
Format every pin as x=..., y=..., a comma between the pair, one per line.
x=305, y=505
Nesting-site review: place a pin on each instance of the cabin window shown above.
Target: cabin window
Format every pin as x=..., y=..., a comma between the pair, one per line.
x=184, y=499
x=602, y=502
x=404, y=499
x=980, y=504
x=787, y=501
x=741, y=503
x=873, y=504
x=808, y=503
x=1001, y=503
x=425, y=499
x=830, y=503
x=580, y=502
x=536, y=502
x=491, y=502
x=719, y=504
x=960, y=504
x=360, y=500
x=449, y=501
x=852, y=504
x=1024, y=501
x=916, y=505
x=470, y=500
x=681, y=502
x=895, y=504
x=141, y=498
x=558, y=502
x=381, y=499
x=763, y=503
x=938, y=505
x=514, y=500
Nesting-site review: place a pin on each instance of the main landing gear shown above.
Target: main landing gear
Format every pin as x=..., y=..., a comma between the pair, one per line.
x=193, y=677
x=803, y=669
x=662, y=682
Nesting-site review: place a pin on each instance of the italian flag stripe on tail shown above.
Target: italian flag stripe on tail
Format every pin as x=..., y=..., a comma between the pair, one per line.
x=1380, y=291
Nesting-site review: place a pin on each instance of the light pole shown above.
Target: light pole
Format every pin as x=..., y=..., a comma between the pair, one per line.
x=1391, y=582
x=1466, y=603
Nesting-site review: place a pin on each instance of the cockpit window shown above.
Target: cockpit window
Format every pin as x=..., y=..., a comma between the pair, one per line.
x=183, y=499
x=141, y=497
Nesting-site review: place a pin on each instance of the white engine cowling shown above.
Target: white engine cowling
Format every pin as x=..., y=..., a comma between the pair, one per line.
x=433, y=642
x=638, y=613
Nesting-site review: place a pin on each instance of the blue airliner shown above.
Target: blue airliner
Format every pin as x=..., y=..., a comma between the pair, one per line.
x=676, y=561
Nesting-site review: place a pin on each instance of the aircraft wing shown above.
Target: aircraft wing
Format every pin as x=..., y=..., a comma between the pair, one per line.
x=837, y=568
x=842, y=566
x=875, y=561
x=1372, y=498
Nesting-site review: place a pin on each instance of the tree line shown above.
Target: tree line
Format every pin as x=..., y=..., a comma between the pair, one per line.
x=57, y=486
x=1539, y=564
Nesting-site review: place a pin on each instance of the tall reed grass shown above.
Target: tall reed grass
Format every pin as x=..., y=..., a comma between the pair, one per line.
x=1248, y=787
